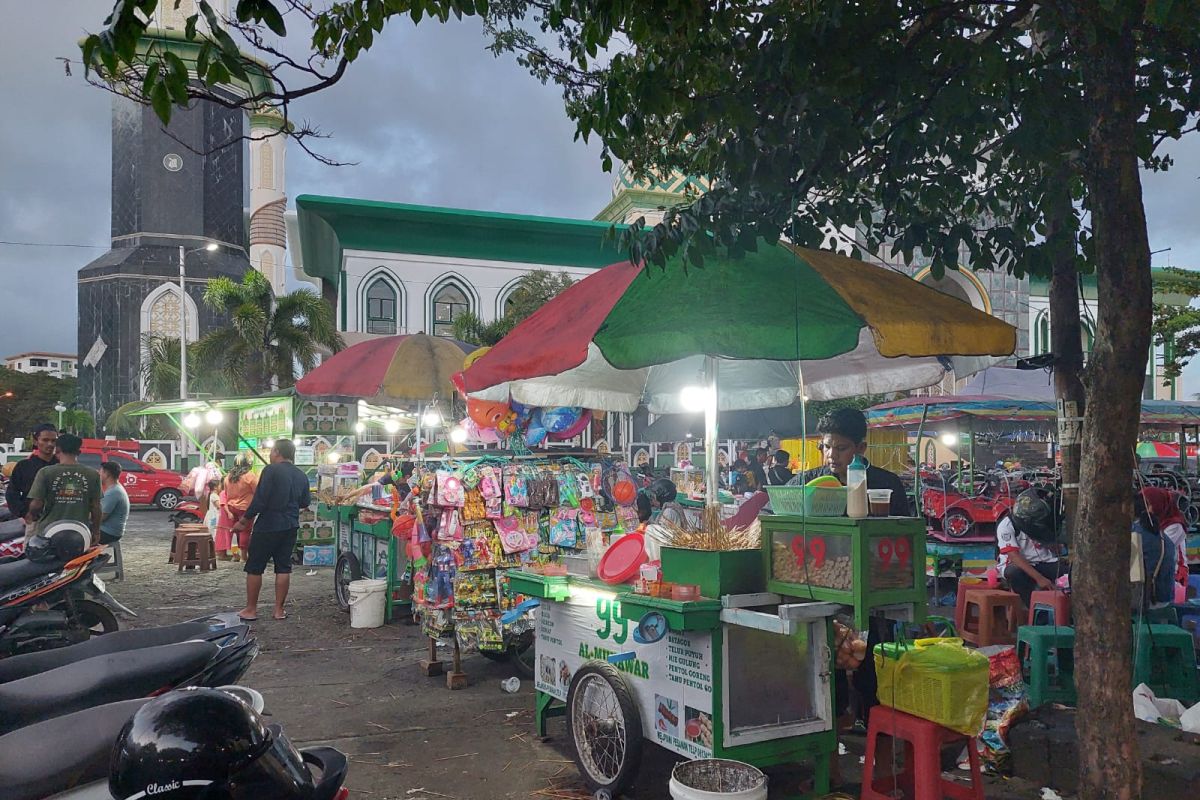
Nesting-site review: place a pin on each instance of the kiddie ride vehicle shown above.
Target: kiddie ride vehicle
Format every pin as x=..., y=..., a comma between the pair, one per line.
x=953, y=515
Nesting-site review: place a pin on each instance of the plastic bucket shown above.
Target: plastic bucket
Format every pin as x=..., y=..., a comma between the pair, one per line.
x=368, y=599
x=713, y=778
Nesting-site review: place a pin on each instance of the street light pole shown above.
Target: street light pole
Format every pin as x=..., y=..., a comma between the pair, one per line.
x=60, y=408
x=210, y=247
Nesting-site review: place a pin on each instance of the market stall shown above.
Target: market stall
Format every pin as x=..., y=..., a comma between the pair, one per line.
x=790, y=323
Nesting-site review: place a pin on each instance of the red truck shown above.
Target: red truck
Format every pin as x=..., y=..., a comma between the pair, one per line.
x=145, y=485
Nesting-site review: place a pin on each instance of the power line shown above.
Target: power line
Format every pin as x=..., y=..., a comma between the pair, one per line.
x=53, y=244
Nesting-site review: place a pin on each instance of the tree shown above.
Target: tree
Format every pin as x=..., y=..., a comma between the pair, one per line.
x=1009, y=132
x=1176, y=320
x=32, y=400
x=533, y=290
x=267, y=338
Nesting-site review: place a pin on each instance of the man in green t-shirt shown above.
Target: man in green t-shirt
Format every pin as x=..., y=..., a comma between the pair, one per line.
x=66, y=490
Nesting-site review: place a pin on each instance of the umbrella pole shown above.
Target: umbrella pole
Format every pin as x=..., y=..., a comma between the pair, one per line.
x=712, y=466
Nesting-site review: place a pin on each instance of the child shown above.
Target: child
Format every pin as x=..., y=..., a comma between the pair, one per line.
x=210, y=507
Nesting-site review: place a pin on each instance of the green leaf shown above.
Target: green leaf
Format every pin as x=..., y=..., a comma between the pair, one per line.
x=160, y=101
x=150, y=78
x=189, y=29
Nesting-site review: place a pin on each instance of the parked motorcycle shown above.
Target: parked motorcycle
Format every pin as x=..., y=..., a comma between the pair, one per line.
x=104, y=748
x=218, y=628
x=219, y=659
x=187, y=512
x=53, y=604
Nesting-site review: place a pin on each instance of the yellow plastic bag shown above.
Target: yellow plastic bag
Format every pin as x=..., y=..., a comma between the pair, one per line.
x=936, y=679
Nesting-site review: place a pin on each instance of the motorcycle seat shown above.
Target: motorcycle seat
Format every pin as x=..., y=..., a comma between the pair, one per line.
x=11, y=529
x=17, y=572
x=61, y=753
x=22, y=666
x=101, y=679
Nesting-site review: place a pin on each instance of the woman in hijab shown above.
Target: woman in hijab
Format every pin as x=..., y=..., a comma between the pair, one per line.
x=238, y=491
x=1162, y=505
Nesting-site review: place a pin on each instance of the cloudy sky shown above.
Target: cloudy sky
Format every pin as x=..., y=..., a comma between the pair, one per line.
x=429, y=115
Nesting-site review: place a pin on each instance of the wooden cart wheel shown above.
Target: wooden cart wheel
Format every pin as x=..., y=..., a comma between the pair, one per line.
x=346, y=570
x=605, y=726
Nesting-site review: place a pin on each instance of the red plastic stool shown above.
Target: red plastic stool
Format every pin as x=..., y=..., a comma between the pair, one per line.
x=921, y=778
x=1049, y=608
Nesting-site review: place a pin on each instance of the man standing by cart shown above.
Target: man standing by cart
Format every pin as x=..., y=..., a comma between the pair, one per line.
x=275, y=514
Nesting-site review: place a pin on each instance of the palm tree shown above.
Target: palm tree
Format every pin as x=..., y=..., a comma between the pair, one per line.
x=267, y=337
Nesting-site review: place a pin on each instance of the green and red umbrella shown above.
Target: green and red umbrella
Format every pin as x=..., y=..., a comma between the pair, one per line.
x=626, y=335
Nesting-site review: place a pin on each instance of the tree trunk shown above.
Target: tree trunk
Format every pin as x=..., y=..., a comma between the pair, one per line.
x=1066, y=339
x=1109, y=762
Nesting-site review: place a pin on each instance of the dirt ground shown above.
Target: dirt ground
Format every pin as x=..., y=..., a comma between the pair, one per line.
x=408, y=737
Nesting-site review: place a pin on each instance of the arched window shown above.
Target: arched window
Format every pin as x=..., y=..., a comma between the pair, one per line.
x=381, y=307
x=449, y=302
x=1041, y=334
x=266, y=166
x=164, y=316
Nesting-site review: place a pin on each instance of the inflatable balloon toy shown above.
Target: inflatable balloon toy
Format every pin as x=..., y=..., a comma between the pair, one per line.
x=481, y=435
x=535, y=432
x=490, y=414
x=566, y=422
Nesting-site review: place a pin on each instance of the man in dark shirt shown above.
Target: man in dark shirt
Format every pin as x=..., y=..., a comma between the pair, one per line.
x=45, y=437
x=275, y=513
x=844, y=436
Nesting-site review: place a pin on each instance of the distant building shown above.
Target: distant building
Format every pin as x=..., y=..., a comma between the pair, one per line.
x=56, y=365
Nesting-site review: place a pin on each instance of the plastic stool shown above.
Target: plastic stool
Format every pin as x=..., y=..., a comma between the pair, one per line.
x=117, y=565
x=195, y=550
x=1165, y=660
x=1048, y=666
x=1049, y=608
x=960, y=601
x=921, y=778
x=990, y=616
x=180, y=530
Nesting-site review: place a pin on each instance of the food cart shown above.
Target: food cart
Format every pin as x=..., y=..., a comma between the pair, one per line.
x=743, y=677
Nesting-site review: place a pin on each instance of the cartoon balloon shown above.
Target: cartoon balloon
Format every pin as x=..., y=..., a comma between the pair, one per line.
x=580, y=424
x=478, y=434
x=559, y=418
x=487, y=413
x=535, y=432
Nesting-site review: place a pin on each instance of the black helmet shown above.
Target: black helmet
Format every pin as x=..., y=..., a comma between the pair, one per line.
x=1035, y=514
x=61, y=541
x=663, y=490
x=205, y=744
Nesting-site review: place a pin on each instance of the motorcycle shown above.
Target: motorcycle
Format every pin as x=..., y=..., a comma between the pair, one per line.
x=215, y=659
x=214, y=628
x=47, y=604
x=187, y=512
x=77, y=767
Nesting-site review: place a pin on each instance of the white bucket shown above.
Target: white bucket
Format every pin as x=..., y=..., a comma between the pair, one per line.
x=717, y=779
x=368, y=599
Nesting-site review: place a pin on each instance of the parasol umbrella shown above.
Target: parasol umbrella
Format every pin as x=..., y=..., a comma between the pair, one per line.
x=1157, y=450
x=754, y=332
x=391, y=370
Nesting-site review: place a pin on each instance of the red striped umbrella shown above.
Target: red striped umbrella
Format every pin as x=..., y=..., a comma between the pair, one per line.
x=390, y=370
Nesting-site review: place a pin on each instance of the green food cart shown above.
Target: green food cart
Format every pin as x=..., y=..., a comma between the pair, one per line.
x=744, y=677
x=876, y=564
x=368, y=550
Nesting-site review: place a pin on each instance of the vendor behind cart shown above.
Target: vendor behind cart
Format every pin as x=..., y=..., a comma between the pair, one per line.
x=398, y=478
x=843, y=436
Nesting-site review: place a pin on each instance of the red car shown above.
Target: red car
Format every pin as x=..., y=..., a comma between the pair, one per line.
x=144, y=484
x=954, y=516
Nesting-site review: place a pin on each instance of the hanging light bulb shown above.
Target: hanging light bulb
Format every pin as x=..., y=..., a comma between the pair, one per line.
x=458, y=434
x=359, y=427
x=949, y=439
x=431, y=417
x=191, y=421
x=391, y=425
x=214, y=417
x=694, y=398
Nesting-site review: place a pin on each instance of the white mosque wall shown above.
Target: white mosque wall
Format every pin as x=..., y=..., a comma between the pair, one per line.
x=417, y=280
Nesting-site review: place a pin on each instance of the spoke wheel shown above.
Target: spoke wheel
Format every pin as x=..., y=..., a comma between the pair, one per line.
x=958, y=524
x=524, y=655
x=606, y=728
x=346, y=570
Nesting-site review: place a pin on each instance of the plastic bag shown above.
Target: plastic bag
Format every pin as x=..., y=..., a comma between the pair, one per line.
x=936, y=679
x=1150, y=708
